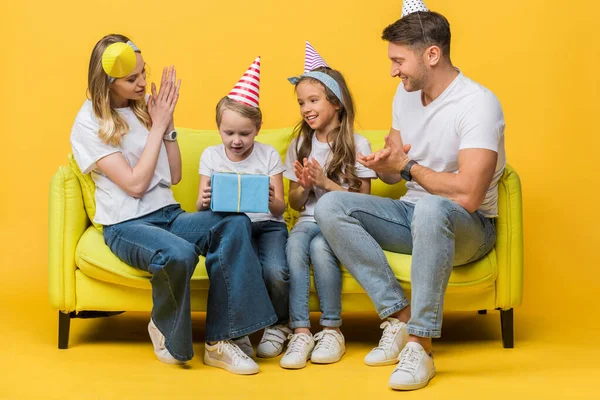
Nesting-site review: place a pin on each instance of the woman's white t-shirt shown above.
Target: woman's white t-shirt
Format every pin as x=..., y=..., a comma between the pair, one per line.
x=113, y=205
x=264, y=159
x=322, y=153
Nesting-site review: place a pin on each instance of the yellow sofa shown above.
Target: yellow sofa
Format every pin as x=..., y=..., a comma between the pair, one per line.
x=86, y=280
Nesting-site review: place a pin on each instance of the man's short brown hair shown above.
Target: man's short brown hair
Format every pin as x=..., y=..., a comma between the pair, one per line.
x=420, y=30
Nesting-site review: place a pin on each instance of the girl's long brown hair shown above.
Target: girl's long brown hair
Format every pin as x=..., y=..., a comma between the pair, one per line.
x=341, y=168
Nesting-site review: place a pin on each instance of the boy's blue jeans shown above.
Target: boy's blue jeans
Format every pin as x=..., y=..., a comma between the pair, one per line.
x=167, y=243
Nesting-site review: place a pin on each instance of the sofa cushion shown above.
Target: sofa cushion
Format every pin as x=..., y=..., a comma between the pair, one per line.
x=88, y=191
x=95, y=259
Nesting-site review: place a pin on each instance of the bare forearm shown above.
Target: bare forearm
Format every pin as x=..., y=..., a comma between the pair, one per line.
x=174, y=156
x=389, y=178
x=298, y=198
x=277, y=208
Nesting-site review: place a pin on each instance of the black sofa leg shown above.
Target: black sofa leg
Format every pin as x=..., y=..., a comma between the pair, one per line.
x=482, y=312
x=64, y=325
x=506, y=321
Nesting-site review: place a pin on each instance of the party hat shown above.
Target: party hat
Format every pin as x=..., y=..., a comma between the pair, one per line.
x=312, y=59
x=118, y=60
x=247, y=89
x=411, y=6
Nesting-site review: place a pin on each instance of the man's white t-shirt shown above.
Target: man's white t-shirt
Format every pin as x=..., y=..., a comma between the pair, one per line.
x=113, y=205
x=322, y=153
x=264, y=159
x=465, y=116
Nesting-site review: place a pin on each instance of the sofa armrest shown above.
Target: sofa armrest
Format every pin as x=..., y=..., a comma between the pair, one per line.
x=67, y=221
x=509, y=242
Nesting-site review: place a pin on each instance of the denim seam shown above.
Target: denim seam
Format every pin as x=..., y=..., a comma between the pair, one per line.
x=391, y=310
x=225, y=278
x=428, y=333
x=330, y=323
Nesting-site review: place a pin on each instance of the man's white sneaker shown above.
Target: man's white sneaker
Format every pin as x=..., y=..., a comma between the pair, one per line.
x=227, y=355
x=392, y=341
x=273, y=341
x=330, y=347
x=158, y=341
x=245, y=345
x=415, y=369
x=298, y=351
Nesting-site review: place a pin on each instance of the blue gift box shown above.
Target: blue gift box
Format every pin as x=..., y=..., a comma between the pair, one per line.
x=232, y=192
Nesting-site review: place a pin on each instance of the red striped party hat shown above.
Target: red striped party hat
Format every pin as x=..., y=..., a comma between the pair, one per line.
x=247, y=89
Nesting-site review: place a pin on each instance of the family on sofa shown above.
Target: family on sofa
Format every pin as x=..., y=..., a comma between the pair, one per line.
x=446, y=142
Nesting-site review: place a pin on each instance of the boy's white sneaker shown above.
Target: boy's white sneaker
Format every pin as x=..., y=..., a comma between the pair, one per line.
x=227, y=355
x=158, y=341
x=273, y=341
x=298, y=351
x=392, y=341
x=245, y=345
x=330, y=347
x=414, y=370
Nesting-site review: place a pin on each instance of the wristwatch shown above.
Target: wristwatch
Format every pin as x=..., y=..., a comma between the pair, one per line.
x=171, y=136
x=405, y=173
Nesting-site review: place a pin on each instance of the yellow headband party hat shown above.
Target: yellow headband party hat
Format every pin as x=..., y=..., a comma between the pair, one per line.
x=118, y=60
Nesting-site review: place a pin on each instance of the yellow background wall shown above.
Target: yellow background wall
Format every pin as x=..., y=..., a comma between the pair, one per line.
x=540, y=59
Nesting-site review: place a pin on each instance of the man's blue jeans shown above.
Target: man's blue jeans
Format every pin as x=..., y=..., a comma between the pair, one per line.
x=438, y=233
x=167, y=243
x=307, y=245
x=269, y=239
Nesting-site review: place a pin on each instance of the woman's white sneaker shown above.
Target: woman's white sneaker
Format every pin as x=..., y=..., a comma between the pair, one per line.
x=298, y=352
x=158, y=341
x=227, y=355
x=245, y=345
x=392, y=341
x=414, y=370
x=330, y=347
x=273, y=341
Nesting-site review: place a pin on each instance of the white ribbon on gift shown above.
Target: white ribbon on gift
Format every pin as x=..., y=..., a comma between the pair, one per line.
x=239, y=176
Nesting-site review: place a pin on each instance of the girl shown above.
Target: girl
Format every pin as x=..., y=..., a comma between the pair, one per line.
x=127, y=142
x=321, y=158
x=238, y=125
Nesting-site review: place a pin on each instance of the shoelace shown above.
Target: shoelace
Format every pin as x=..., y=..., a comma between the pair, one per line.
x=272, y=336
x=389, y=332
x=327, y=338
x=297, y=342
x=409, y=360
x=236, y=353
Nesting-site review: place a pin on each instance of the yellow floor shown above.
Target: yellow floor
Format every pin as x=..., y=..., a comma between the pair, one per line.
x=112, y=358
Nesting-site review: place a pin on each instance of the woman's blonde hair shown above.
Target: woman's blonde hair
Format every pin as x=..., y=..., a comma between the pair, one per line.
x=342, y=167
x=112, y=126
x=252, y=113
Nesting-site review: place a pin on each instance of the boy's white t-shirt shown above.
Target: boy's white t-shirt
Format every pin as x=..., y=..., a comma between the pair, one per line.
x=322, y=153
x=113, y=205
x=465, y=116
x=264, y=159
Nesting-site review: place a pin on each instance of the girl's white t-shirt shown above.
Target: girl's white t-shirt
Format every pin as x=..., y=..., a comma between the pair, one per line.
x=264, y=159
x=322, y=153
x=113, y=205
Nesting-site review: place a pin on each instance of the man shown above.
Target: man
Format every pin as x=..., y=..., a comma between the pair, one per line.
x=447, y=142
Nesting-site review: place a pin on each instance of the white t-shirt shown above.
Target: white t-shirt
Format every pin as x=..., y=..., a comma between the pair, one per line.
x=113, y=205
x=465, y=116
x=264, y=159
x=322, y=153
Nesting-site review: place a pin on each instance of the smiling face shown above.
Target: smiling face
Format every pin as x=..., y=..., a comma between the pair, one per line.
x=408, y=66
x=318, y=112
x=237, y=133
x=130, y=87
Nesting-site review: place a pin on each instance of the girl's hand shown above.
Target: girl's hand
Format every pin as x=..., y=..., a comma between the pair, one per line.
x=206, y=196
x=302, y=175
x=316, y=173
x=161, y=105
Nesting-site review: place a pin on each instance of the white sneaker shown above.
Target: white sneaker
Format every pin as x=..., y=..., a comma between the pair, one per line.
x=273, y=341
x=330, y=347
x=158, y=341
x=415, y=369
x=227, y=355
x=392, y=341
x=298, y=351
x=245, y=345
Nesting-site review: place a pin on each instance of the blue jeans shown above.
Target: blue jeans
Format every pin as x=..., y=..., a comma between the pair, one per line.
x=269, y=239
x=438, y=233
x=307, y=245
x=167, y=243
